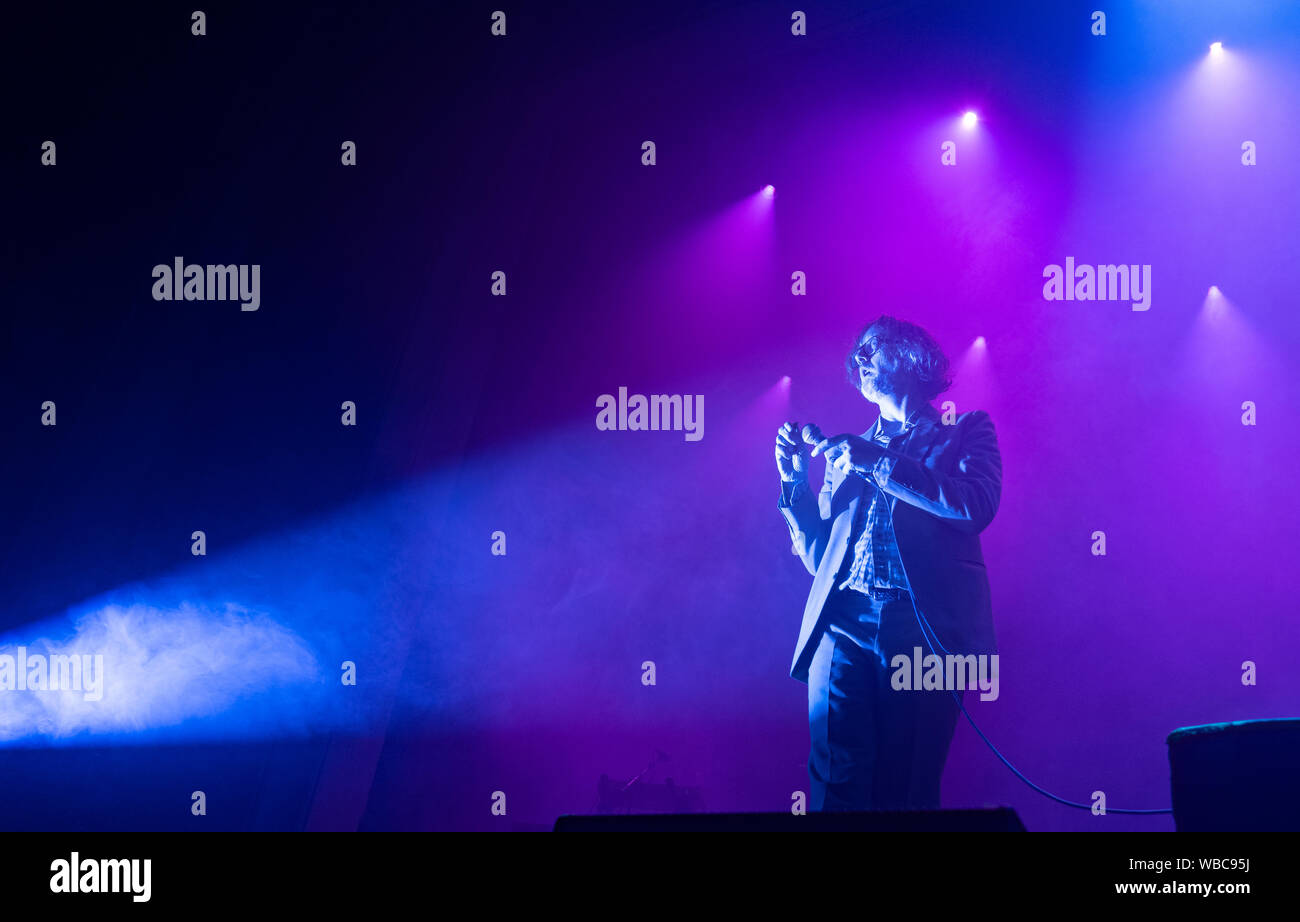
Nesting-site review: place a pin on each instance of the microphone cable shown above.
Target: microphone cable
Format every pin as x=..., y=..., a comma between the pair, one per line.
x=927, y=630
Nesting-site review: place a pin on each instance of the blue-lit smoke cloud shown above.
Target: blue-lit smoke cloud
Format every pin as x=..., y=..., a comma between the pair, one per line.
x=160, y=668
x=251, y=641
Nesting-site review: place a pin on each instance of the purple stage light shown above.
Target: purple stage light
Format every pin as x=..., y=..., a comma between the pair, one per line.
x=769, y=190
x=969, y=120
x=1215, y=305
x=1216, y=49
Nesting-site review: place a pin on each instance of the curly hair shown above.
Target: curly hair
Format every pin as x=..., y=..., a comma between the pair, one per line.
x=907, y=347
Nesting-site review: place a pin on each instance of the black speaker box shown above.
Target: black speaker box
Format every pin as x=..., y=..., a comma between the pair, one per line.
x=1236, y=777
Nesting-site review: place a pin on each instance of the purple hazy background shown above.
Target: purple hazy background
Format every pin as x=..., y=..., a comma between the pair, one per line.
x=522, y=673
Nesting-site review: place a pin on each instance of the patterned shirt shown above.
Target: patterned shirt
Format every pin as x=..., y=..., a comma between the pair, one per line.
x=875, y=563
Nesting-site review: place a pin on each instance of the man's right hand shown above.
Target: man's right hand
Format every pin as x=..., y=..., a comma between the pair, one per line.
x=792, y=453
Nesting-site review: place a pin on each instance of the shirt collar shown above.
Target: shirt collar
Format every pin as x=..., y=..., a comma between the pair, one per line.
x=923, y=416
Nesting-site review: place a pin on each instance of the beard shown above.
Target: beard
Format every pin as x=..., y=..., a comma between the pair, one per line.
x=884, y=382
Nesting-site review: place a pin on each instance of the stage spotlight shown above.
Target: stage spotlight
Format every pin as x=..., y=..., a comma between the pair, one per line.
x=785, y=382
x=1215, y=305
x=969, y=120
x=979, y=342
x=769, y=190
x=1216, y=49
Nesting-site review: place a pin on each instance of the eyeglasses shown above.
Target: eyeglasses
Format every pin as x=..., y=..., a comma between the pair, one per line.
x=866, y=352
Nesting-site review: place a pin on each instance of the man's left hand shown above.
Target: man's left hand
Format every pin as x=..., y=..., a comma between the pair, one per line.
x=852, y=454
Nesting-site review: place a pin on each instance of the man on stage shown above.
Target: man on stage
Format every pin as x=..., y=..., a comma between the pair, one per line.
x=892, y=541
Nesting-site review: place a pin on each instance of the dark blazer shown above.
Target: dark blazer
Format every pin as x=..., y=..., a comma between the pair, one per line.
x=944, y=483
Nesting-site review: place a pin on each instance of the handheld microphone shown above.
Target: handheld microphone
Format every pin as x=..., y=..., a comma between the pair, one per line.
x=811, y=434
